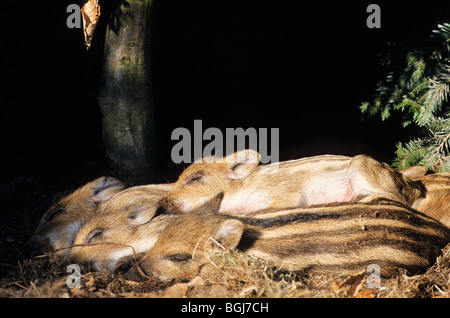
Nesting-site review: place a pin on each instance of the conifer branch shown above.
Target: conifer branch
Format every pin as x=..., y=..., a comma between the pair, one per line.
x=420, y=89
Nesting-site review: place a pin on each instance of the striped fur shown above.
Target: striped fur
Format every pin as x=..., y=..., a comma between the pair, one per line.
x=334, y=238
x=436, y=203
x=303, y=182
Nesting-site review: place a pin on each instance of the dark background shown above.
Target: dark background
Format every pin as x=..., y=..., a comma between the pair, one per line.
x=302, y=67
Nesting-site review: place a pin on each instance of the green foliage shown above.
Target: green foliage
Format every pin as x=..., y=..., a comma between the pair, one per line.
x=420, y=89
x=431, y=151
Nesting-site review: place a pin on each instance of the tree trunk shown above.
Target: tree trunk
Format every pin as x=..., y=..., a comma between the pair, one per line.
x=125, y=95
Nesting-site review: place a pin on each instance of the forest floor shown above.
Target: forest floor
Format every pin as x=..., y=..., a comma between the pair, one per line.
x=229, y=274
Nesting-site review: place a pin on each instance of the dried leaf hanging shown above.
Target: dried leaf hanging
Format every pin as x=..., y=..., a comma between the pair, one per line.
x=91, y=13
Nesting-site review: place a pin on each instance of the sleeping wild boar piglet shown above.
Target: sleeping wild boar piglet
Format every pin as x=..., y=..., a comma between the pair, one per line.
x=249, y=187
x=59, y=224
x=128, y=219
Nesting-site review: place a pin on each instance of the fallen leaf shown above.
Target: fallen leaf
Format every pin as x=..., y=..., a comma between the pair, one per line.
x=79, y=293
x=366, y=294
x=248, y=291
x=196, y=281
x=208, y=291
x=350, y=287
x=91, y=283
x=91, y=13
x=176, y=291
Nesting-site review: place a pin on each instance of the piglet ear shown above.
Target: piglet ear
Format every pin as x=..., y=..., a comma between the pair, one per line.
x=242, y=163
x=105, y=187
x=142, y=214
x=229, y=233
x=212, y=205
x=414, y=172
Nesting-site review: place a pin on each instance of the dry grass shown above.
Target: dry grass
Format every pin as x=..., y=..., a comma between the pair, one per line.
x=228, y=274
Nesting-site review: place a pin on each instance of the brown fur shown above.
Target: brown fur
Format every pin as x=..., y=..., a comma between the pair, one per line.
x=414, y=173
x=128, y=218
x=335, y=238
x=59, y=224
x=296, y=183
x=437, y=200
